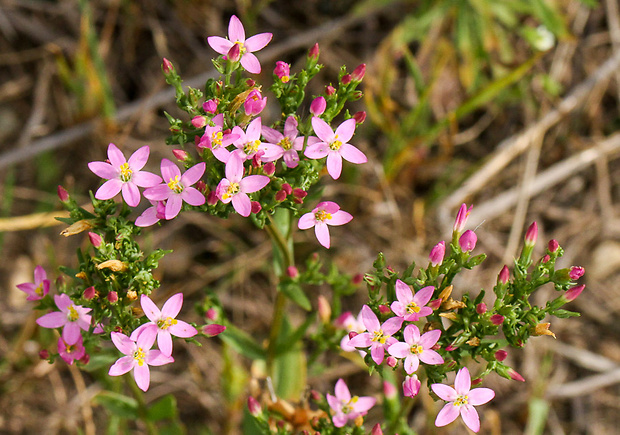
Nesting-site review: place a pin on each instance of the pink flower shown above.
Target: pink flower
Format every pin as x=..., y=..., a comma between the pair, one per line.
x=164, y=322
x=417, y=348
x=346, y=407
x=318, y=106
x=437, y=253
x=39, y=288
x=72, y=317
x=284, y=145
x=411, y=386
x=334, y=146
x=138, y=356
x=531, y=235
x=71, y=352
x=216, y=140
x=248, y=143
x=282, y=71
x=235, y=187
x=236, y=35
x=576, y=272
x=409, y=306
x=254, y=103
x=378, y=336
x=461, y=400
x=325, y=213
x=124, y=175
x=467, y=242
x=461, y=218
x=177, y=188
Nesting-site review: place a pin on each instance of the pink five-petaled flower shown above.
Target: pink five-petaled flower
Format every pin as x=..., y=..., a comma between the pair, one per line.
x=71, y=352
x=39, y=288
x=124, y=175
x=409, y=306
x=177, y=188
x=236, y=35
x=216, y=140
x=325, y=213
x=164, y=322
x=334, y=145
x=416, y=348
x=287, y=144
x=462, y=400
x=248, y=143
x=378, y=336
x=254, y=103
x=138, y=356
x=235, y=187
x=72, y=317
x=346, y=407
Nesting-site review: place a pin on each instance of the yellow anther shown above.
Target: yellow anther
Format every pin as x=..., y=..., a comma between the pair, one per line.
x=216, y=139
x=139, y=356
x=251, y=147
x=461, y=400
x=285, y=143
x=322, y=216
x=175, y=184
x=412, y=308
x=166, y=323
x=125, y=172
x=416, y=349
x=378, y=336
x=73, y=314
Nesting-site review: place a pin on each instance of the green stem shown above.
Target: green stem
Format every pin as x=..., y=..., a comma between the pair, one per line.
x=142, y=408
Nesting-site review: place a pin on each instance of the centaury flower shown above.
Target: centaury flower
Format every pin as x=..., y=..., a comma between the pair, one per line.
x=417, y=348
x=70, y=352
x=72, y=317
x=409, y=306
x=235, y=187
x=39, y=288
x=346, y=407
x=378, y=336
x=325, y=213
x=286, y=145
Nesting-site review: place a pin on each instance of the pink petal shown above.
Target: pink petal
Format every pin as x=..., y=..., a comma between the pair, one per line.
x=142, y=375
x=447, y=415
x=140, y=329
x=334, y=164
x=164, y=342
x=169, y=170
x=291, y=158
x=391, y=325
x=352, y=154
x=71, y=333
x=172, y=306
x=158, y=193
x=258, y=42
x=345, y=130
x=322, y=129
x=234, y=168
x=362, y=340
x=236, y=31
x=317, y=150
x=290, y=127
x=306, y=221
x=148, y=217
x=480, y=396
x=145, y=179
x=39, y=275
x=403, y=292
x=340, y=419
x=342, y=391
x=424, y=295
x=253, y=131
x=429, y=338
x=250, y=63
x=333, y=402
x=157, y=358
x=411, y=334
x=444, y=392
x=399, y=350
x=193, y=174
x=109, y=189
x=150, y=309
x=462, y=382
x=182, y=329
x=122, y=366
x=139, y=158
x=430, y=357
x=123, y=343
x=173, y=206
x=369, y=319
x=103, y=170
x=52, y=320
x=131, y=194
x=322, y=233
x=63, y=301
x=116, y=156
x=242, y=204
x=377, y=353
x=192, y=196
x=339, y=218
x=219, y=44
x=470, y=417
x=271, y=135
x=146, y=339
x=253, y=183
x=364, y=403
x=329, y=206
x=412, y=362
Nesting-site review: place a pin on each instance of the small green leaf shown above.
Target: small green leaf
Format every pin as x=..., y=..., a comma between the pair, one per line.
x=295, y=293
x=164, y=408
x=242, y=342
x=118, y=404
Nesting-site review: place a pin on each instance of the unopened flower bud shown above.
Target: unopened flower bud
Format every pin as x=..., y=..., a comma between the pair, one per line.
x=85, y=359
x=353, y=334
x=282, y=71
x=391, y=361
x=531, y=235
x=269, y=168
x=255, y=207
x=112, y=297
x=287, y=188
x=476, y=381
x=250, y=83
x=314, y=52
x=384, y=309
x=213, y=329
x=504, y=275
x=63, y=195
x=44, y=354
x=292, y=272
x=201, y=186
x=254, y=407
x=359, y=117
x=330, y=90
x=573, y=292
x=212, y=198
x=180, y=155
x=467, y=242
x=211, y=314
x=481, y=308
x=461, y=218
x=95, y=239
x=199, y=121
x=318, y=105
x=299, y=193
x=389, y=390
x=346, y=79
x=497, y=319
x=546, y=259
x=515, y=376
x=280, y=195
x=234, y=54
x=210, y=106
x=451, y=347
x=437, y=253
x=576, y=272
x=553, y=245
x=357, y=279
x=89, y=293
x=411, y=386
x=501, y=355
x=358, y=73
x=324, y=309
x=435, y=303
x=376, y=430
x=166, y=66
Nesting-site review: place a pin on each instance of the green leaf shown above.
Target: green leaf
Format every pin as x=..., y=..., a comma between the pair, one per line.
x=564, y=314
x=295, y=293
x=242, y=342
x=118, y=404
x=164, y=408
x=537, y=416
x=289, y=374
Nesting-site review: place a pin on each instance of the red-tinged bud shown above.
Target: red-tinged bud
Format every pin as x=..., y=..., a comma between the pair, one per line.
x=213, y=329
x=435, y=303
x=481, y=308
x=476, y=381
x=180, y=155
x=324, y=309
x=357, y=95
x=211, y=314
x=574, y=292
x=90, y=293
x=299, y=193
x=357, y=279
x=318, y=105
x=376, y=430
x=315, y=395
x=531, y=235
x=269, y=168
x=314, y=52
x=44, y=354
x=515, y=376
x=201, y=186
x=501, y=355
x=292, y=272
x=411, y=386
x=282, y=71
x=437, y=253
x=212, y=198
x=553, y=245
x=255, y=207
x=391, y=361
x=250, y=83
x=576, y=272
x=497, y=319
x=384, y=309
x=167, y=67
x=389, y=390
x=330, y=90
x=358, y=73
x=256, y=159
x=504, y=275
x=254, y=407
x=85, y=359
x=95, y=239
x=219, y=85
x=467, y=242
x=298, y=200
x=346, y=79
x=546, y=259
x=234, y=54
x=353, y=334
x=210, y=106
x=112, y=297
x=461, y=218
x=287, y=188
x=63, y=195
x=199, y=121
x=280, y=195
x=359, y=117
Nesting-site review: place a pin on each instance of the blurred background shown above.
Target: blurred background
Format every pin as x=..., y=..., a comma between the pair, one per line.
x=508, y=105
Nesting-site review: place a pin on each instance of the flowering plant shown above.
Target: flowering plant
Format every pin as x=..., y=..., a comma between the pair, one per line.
x=415, y=325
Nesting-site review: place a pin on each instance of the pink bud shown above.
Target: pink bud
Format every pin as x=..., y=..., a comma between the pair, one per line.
x=112, y=297
x=95, y=239
x=358, y=73
x=481, y=308
x=576, y=272
x=573, y=292
x=44, y=354
x=212, y=198
x=280, y=195
x=211, y=314
x=497, y=319
x=346, y=79
x=199, y=121
x=501, y=355
x=269, y=168
x=254, y=407
x=389, y=390
x=411, y=386
x=546, y=259
x=167, y=66
x=85, y=359
x=292, y=272
x=467, y=241
x=376, y=430
x=63, y=195
x=213, y=329
x=451, y=347
x=553, y=245
x=437, y=253
x=256, y=207
x=435, y=303
x=287, y=188
x=531, y=235
x=201, y=186
x=476, y=381
x=353, y=334
x=515, y=376
x=256, y=159
x=314, y=52
x=504, y=275
x=210, y=106
x=180, y=155
x=359, y=117
x=318, y=105
x=299, y=193
x=330, y=90
x=384, y=309
x=315, y=395
x=357, y=279
x=89, y=293
x=250, y=83
x=282, y=71
x=391, y=362
x=234, y=54
x=461, y=218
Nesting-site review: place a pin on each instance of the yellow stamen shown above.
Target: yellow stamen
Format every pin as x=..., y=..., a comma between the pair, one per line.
x=216, y=139
x=242, y=48
x=322, y=216
x=285, y=143
x=416, y=349
x=378, y=336
x=39, y=290
x=251, y=147
x=139, y=356
x=231, y=190
x=461, y=400
x=175, y=185
x=125, y=172
x=73, y=314
x=412, y=308
x=166, y=323
x=336, y=144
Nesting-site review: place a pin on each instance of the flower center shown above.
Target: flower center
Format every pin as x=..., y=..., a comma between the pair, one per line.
x=70, y=348
x=242, y=48
x=216, y=139
x=350, y=405
x=166, y=323
x=231, y=190
x=125, y=172
x=73, y=315
x=416, y=349
x=413, y=308
x=39, y=290
x=336, y=144
x=285, y=143
x=175, y=184
x=285, y=79
x=322, y=216
x=251, y=147
x=378, y=336
x=461, y=400
x=139, y=356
